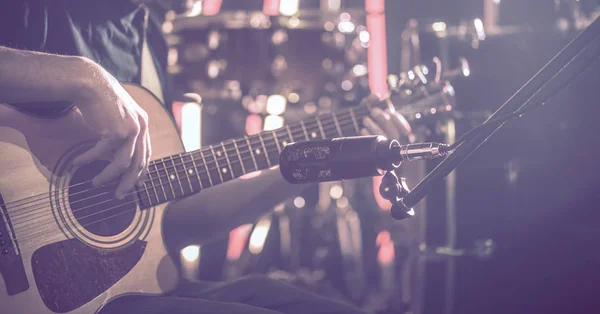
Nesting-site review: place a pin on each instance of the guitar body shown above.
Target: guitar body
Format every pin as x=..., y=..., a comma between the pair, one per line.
x=64, y=246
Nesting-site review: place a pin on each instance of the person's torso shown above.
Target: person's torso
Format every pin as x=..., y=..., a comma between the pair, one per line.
x=110, y=32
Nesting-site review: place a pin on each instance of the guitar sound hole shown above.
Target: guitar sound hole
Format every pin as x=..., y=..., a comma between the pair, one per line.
x=97, y=209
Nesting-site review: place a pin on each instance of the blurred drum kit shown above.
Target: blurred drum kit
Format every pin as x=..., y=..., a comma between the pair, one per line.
x=286, y=60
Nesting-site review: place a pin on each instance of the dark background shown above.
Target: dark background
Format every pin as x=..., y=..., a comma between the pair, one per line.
x=544, y=222
x=544, y=219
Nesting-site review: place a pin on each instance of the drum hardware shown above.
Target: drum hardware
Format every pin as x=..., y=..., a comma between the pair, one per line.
x=344, y=67
x=482, y=249
x=218, y=57
x=421, y=78
x=425, y=78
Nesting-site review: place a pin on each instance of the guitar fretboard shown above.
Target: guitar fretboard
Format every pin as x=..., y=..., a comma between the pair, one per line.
x=187, y=173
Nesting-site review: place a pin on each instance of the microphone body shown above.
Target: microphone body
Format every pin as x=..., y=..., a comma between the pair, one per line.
x=349, y=158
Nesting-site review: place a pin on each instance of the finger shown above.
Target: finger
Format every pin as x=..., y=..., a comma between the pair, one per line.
x=372, y=127
x=102, y=149
x=148, y=145
x=401, y=124
x=135, y=171
x=119, y=164
x=382, y=119
x=144, y=175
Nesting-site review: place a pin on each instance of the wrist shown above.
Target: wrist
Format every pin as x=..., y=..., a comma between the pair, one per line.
x=87, y=80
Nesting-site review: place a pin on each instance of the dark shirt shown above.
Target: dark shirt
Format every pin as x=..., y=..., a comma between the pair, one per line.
x=110, y=32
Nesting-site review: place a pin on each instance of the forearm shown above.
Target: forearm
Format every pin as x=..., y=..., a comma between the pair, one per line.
x=218, y=210
x=27, y=76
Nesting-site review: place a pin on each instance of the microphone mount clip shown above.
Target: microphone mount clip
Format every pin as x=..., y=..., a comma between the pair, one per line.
x=394, y=189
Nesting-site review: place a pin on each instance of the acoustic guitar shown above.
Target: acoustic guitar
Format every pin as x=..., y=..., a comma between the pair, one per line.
x=68, y=247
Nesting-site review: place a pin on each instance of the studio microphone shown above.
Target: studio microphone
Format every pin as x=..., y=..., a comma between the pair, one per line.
x=349, y=158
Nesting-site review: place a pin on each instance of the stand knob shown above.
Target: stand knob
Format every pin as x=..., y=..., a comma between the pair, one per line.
x=484, y=248
x=394, y=189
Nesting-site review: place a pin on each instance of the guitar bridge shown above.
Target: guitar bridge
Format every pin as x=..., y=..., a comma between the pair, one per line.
x=11, y=261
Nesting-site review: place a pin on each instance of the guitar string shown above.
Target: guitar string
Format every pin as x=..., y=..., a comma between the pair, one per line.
x=26, y=237
x=354, y=115
x=175, y=165
x=86, y=207
x=177, y=172
x=52, y=220
x=60, y=234
x=252, y=138
x=179, y=183
x=106, y=218
x=242, y=146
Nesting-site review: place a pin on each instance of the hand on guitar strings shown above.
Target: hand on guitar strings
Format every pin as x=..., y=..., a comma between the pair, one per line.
x=388, y=123
x=122, y=128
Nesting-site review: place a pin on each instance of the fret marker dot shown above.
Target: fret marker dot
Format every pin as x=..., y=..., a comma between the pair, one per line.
x=219, y=153
x=284, y=143
x=257, y=151
x=172, y=177
x=224, y=170
x=191, y=171
x=313, y=134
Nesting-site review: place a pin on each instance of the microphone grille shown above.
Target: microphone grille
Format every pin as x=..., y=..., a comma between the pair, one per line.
x=306, y=161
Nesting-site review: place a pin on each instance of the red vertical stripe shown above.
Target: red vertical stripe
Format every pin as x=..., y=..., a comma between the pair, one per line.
x=211, y=7
x=177, y=107
x=377, y=53
x=271, y=7
x=254, y=124
x=377, y=66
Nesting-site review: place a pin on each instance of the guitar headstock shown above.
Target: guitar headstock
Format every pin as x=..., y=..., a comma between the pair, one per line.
x=426, y=90
x=426, y=77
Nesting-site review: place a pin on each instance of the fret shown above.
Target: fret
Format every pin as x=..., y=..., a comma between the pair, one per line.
x=329, y=126
x=273, y=151
x=224, y=170
x=169, y=177
x=216, y=163
x=187, y=171
x=234, y=163
x=206, y=167
x=264, y=149
x=312, y=131
x=148, y=200
x=237, y=150
x=162, y=186
x=282, y=137
x=153, y=186
x=345, y=123
x=251, y=153
x=196, y=170
x=176, y=179
x=287, y=128
x=276, y=141
x=320, y=127
x=304, y=130
x=258, y=152
x=356, y=128
x=337, y=124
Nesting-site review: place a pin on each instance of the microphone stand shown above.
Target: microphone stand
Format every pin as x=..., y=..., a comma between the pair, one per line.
x=555, y=75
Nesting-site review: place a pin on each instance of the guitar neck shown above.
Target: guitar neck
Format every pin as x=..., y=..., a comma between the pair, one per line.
x=187, y=173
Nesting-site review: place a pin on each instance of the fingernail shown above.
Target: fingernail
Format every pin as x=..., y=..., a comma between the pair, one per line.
x=119, y=195
x=95, y=183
